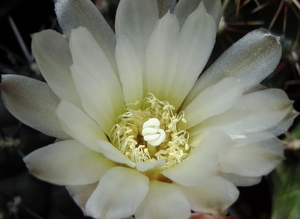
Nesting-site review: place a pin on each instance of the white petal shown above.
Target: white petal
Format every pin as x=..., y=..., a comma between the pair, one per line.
x=254, y=112
x=33, y=103
x=252, y=138
x=161, y=57
x=81, y=193
x=79, y=125
x=67, y=163
x=214, y=196
x=113, y=153
x=97, y=85
x=196, y=41
x=87, y=53
x=213, y=101
x=130, y=72
x=136, y=19
x=202, y=162
x=253, y=160
x=193, y=170
x=95, y=100
x=76, y=13
x=52, y=54
x=163, y=201
x=144, y=166
x=255, y=88
x=238, y=180
x=214, y=8
x=164, y=6
x=213, y=143
x=284, y=124
x=185, y=7
x=119, y=193
x=249, y=61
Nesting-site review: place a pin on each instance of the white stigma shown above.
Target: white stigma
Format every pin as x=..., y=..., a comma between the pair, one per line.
x=152, y=133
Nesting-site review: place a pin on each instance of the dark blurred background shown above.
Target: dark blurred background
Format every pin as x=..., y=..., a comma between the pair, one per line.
x=25, y=197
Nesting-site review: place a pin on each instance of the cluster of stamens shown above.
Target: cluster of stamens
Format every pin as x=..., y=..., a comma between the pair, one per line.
x=151, y=133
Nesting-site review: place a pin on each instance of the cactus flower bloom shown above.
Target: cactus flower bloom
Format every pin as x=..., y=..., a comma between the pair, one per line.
x=138, y=132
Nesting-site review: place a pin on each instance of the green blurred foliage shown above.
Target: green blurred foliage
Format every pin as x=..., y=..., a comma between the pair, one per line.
x=286, y=190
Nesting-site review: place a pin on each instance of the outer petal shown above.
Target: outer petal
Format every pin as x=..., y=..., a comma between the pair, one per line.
x=214, y=8
x=97, y=85
x=254, y=112
x=254, y=137
x=33, y=103
x=163, y=201
x=119, y=193
x=238, y=180
x=75, y=13
x=82, y=193
x=79, y=125
x=249, y=60
x=162, y=55
x=164, y=6
x=136, y=19
x=253, y=160
x=185, y=7
x=213, y=101
x=196, y=40
x=67, y=163
x=130, y=71
x=53, y=56
x=284, y=124
x=215, y=195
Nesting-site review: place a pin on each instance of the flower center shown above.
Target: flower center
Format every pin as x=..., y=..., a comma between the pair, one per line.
x=151, y=133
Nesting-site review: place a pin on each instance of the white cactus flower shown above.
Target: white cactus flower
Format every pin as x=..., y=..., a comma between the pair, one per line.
x=139, y=133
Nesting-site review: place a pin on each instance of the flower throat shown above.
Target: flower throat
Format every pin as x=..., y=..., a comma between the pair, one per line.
x=151, y=133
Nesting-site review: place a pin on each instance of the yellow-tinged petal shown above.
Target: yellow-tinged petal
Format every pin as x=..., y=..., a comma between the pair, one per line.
x=211, y=101
x=196, y=39
x=203, y=161
x=79, y=125
x=113, y=153
x=97, y=85
x=163, y=201
x=118, y=195
x=162, y=57
x=67, y=163
x=214, y=195
x=130, y=71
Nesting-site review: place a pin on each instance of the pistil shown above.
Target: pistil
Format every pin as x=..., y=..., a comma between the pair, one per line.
x=152, y=132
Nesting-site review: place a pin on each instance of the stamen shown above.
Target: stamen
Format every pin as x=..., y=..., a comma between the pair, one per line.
x=152, y=132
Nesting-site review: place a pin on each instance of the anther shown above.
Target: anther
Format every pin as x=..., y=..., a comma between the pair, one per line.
x=152, y=133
